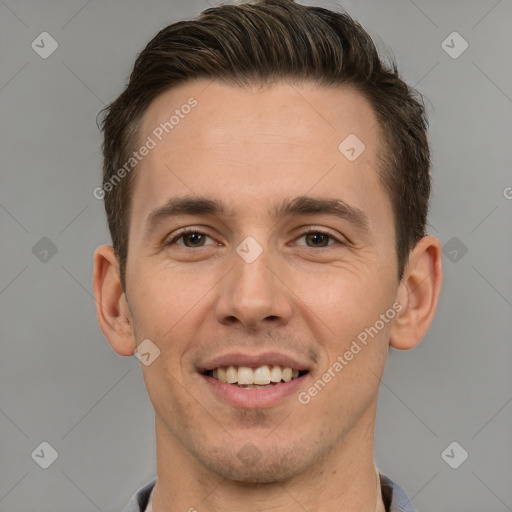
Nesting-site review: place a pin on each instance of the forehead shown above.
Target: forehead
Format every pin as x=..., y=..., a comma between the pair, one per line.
x=255, y=143
x=225, y=114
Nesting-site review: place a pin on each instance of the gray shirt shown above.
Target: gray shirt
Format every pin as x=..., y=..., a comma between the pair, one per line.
x=394, y=497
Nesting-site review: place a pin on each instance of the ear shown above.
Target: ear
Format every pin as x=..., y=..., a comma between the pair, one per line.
x=418, y=294
x=112, y=309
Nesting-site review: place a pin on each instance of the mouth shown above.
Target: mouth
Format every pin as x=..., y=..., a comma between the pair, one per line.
x=260, y=377
x=254, y=381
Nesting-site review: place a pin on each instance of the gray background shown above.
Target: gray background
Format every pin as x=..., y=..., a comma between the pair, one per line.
x=60, y=381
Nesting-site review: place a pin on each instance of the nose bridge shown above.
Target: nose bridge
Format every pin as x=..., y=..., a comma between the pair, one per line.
x=251, y=292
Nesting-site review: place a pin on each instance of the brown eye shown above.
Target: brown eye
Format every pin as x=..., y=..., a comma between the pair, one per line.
x=195, y=239
x=315, y=238
x=190, y=239
x=318, y=239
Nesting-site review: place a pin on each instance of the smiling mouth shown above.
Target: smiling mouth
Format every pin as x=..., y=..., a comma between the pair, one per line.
x=254, y=378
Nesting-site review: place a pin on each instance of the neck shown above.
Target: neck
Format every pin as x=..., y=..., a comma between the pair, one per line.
x=345, y=479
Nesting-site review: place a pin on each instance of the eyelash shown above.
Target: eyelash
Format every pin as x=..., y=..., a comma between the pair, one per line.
x=188, y=231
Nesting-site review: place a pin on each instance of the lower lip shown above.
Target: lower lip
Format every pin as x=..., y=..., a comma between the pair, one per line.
x=252, y=398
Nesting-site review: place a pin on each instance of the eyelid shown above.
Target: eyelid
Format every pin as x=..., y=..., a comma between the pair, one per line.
x=185, y=231
x=324, y=231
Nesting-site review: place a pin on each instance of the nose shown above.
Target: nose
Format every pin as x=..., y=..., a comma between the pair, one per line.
x=254, y=295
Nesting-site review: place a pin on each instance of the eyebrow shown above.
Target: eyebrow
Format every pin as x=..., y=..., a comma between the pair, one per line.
x=301, y=205
x=304, y=205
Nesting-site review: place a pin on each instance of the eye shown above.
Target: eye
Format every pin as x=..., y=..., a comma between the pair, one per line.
x=191, y=238
x=318, y=238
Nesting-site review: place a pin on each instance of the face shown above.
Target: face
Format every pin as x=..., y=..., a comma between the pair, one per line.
x=288, y=261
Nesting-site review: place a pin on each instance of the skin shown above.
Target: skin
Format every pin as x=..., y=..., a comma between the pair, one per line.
x=308, y=296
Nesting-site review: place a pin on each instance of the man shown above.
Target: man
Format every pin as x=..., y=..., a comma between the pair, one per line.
x=266, y=183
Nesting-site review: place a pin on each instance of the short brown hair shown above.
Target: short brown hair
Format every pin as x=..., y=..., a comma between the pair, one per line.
x=264, y=42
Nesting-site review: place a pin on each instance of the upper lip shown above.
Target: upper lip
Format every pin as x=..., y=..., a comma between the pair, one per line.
x=254, y=361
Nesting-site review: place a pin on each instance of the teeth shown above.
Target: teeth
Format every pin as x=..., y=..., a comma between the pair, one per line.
x=261, y=376
x=245, y=375
x=231, y=374
x=221, y=374
x=276, y=374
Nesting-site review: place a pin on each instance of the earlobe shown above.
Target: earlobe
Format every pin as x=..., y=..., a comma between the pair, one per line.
x=112, y=309
x=418, y=293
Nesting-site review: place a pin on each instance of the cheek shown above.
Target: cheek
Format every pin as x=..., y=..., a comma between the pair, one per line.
x=344, y=302
x=355, y=352
x=172, y=402
x=344, y=313
x=167, y=293
x=164, y=310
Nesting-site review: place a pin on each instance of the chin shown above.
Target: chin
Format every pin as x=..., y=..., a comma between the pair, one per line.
x=254, y=475
x=268, y=465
